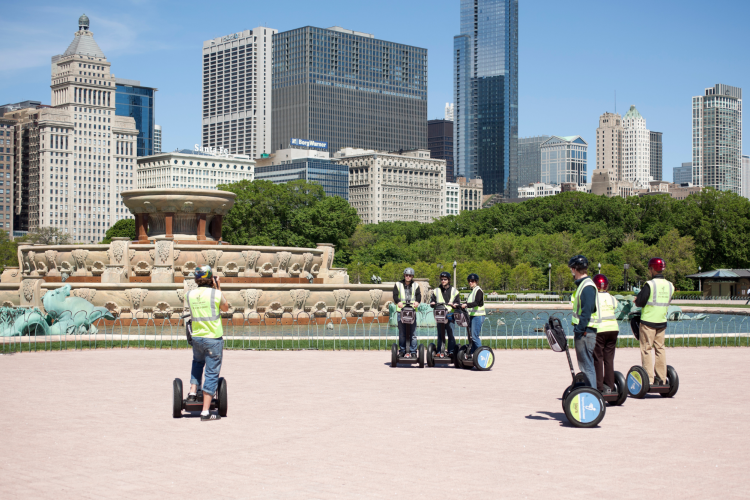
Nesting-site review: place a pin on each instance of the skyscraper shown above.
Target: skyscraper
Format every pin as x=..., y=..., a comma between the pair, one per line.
x=717, y=138
x=656, y=155
x=440, y=144
x=486, y=94
x=530, y=159
x=745, y=191
x=348, y=89
x=157, y=139
x=237, y=71
x=636, y=149
x=609, y=145
x=683, y=173
x=134, y=100
x=564, y=160
x=449, y=111
x=77, y=155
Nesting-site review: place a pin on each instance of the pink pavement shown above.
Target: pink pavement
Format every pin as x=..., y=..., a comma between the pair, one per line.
x=98, y=424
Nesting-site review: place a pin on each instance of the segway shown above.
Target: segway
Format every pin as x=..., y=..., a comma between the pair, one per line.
x=638, y=384
x=408, y=317
x=483, y=358
x=583, y=405
x=179, y=404
x=433, y=357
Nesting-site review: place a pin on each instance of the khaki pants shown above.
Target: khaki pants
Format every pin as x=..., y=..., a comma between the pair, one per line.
x=652, y=338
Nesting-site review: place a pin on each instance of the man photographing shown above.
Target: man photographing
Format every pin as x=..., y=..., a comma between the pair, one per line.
x=207, y=333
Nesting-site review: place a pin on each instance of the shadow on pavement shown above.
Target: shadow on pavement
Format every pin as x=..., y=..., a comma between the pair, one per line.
x=559, y=416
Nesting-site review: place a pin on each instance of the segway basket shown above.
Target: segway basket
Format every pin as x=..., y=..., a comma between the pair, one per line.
x=556, y=338
x=408, y=315
x=441, y=314
x=635, y=326
x=461, y=317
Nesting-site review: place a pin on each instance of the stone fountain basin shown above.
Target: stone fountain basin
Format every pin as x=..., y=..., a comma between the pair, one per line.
x=178, y=200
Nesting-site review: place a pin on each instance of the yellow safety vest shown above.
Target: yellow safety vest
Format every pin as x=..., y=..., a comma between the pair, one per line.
x=439, y=297
x=574, y=299
x=655, y=310
x=205, y=312
x=604, y=319
x=402, y=293
x=475, y=311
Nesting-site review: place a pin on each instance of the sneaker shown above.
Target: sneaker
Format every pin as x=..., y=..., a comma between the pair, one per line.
x=192, y=398
x=414, y=355
x=401, y=354
x=659, y=383
x=210, y=416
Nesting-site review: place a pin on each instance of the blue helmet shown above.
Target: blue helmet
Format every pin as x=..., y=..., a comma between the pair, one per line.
x=203, y=272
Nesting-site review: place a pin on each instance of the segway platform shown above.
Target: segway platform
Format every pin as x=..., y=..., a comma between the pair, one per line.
x=411, y=360
x=180, y=404
x=434, y=358
x=616, y=398
x=638, y=385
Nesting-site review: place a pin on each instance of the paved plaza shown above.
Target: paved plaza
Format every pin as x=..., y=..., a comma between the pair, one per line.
x=98, y=424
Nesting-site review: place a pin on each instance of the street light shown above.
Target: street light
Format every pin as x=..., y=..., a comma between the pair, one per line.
x=600, y=268
x=454, y=275
x=699, y=280
x=625, y=274
x=550, y=276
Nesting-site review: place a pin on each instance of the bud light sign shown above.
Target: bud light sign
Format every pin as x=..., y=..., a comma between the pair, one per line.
x=309, y=144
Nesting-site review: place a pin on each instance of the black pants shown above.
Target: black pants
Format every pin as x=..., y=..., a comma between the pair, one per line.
x=407, y=333
x=442, y=328
x=604, y=359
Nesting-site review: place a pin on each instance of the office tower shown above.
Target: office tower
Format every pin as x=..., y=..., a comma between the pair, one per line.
x=237, y=71
x=138, y=102
x=451, y=198
x=636, y=145
x=717, y=138
x=609, y=144
x=388, y=187
x=440, y=144
x=656, y=156
x=564, y=160
x=77, y=155
x=470, y=193
x=157, y=139
x=538, y=190
x=745, y=191
x=530, y=159
x=293, y=164
x=7, y=161
x=449, y=111
x=348, y=89
x=486, y=94
x=683, y=174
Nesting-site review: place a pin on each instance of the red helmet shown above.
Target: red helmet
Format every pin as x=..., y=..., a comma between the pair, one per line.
x=601, y=282
x=657, y=264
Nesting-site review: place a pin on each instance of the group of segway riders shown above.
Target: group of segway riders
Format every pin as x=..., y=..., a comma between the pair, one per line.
x=594, y=321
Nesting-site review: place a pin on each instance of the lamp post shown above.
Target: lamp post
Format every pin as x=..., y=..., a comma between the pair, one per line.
x=549, y=266
x=625, y=275
x=454, y=275
x=700, y=280
x=600, y=268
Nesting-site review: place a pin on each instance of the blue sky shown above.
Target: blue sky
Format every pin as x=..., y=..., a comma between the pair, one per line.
x=572, y=55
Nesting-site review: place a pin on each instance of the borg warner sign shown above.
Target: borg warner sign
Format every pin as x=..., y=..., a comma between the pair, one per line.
x=230, y=37
x=309, y=144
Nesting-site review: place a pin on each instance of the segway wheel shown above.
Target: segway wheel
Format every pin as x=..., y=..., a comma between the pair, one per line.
x=484, y=359
x=565, y=395
x=460, y=354
x=177, y=398
x=584, y=407
x=621, y=387
x=223, y=403
x=420, y=355
x=674, y=382
x=431, y=350
x=394, y=355
x=637, y=381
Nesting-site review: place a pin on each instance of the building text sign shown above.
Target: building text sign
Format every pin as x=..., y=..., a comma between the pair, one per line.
x=309, y=144
x=211, y=150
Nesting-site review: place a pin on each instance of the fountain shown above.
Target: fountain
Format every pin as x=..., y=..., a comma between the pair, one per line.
x=177, y=231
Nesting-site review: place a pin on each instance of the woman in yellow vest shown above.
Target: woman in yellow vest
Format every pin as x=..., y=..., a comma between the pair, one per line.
x=604, y=321
x=475, y=307
x=654, y=298
x=405, y=292
x=446, y=295
x=207, y=333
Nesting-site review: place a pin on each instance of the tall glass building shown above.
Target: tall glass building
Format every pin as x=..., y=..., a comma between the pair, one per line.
x=564, y=160
x=486, y=94
x=717, y=138
x=683, y=174
x=136, y=101
x=348, y=89
x=295, y=164
x=530, y=159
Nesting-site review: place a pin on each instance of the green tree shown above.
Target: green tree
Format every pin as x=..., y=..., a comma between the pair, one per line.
x=8, y=251
x=562, y=278
x=48, y=236
x=124, y=228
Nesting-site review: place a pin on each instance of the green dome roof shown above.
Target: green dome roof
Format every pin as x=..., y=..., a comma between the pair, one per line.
x=632, y=113
x=83, y=20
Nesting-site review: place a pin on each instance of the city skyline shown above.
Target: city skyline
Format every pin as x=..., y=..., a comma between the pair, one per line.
x=161, y=51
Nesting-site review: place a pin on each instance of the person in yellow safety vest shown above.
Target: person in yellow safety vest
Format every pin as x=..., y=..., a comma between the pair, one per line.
x=446, y=295
x=654, y=298
x=204, y=303
x=584, y=305
x=405, y=292
x=475, y=307
x=604, y=321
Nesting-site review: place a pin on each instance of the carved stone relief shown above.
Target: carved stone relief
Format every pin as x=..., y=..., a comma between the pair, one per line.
x=341, y=297
x=251, y=296
x=298, y=298
x=211, y=256
x=307, y=261
x=375, y=296
x=51, y=255
x=251, y=258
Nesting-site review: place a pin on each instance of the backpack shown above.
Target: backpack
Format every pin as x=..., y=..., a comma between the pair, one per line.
x=558, y=342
